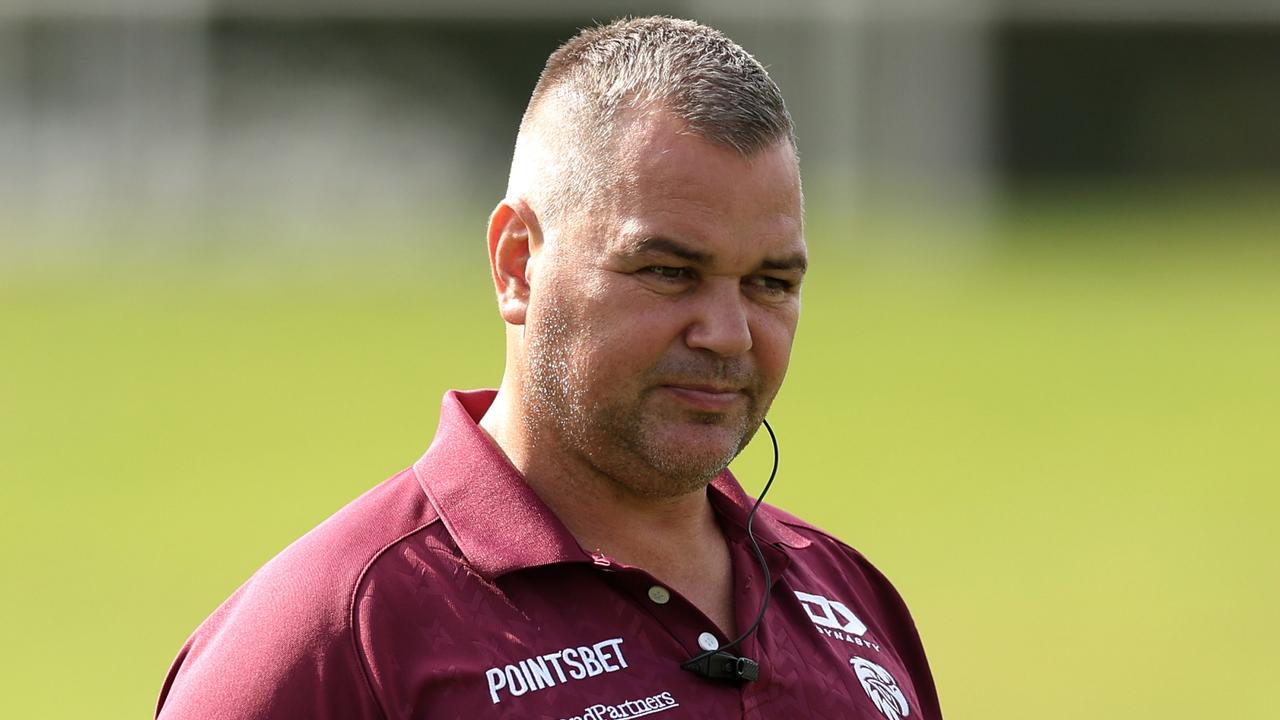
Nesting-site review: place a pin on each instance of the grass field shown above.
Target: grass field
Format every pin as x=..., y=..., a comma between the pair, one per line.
x=1062, y=443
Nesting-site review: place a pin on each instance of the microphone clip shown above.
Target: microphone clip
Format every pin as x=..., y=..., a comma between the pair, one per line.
x=721, y=665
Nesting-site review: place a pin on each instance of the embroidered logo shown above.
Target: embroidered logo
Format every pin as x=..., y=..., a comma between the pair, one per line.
x=834, y=619
x=543, y=671
x=831, y=614
x=881, y=688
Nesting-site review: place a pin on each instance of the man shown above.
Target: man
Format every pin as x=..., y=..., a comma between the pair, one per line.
x=572, y=546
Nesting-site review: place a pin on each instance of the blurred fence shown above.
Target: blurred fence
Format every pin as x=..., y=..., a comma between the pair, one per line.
x=207, y=116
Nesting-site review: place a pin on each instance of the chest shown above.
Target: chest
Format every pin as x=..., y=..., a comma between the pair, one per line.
x=587, y=643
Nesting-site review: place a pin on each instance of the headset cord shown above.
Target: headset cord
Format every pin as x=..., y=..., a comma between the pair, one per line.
x=764, y=567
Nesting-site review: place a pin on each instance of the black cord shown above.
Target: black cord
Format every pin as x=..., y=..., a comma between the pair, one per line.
x=768, y=579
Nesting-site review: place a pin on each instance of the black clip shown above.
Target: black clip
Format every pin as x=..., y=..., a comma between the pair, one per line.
x=724, y=666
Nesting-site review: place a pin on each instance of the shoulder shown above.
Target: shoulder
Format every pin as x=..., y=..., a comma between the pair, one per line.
x=818, y=539
x=843, y=591
x=829, y=556
x=320, y=571
x=285, y=639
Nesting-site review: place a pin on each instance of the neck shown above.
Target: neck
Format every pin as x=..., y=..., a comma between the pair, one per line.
x=675, y=539
x=601, y=513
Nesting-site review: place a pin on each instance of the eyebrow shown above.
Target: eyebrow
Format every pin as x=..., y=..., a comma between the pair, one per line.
x=667, y=246
x=793, y=262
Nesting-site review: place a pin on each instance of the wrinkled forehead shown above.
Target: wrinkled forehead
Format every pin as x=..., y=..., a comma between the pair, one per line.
x=651, y=176
x=662, y=171
x=648, y=136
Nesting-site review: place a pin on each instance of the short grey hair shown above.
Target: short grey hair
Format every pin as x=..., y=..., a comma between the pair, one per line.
x=591, y=83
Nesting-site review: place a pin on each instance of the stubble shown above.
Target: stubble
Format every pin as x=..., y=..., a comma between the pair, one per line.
x=614, y=430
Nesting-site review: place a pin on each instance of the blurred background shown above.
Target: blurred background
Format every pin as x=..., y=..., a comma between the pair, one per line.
x=1037, y=380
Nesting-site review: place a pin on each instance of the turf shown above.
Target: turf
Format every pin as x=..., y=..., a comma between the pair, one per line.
x=1060, y=440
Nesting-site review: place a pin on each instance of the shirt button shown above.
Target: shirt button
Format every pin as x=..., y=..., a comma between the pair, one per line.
x=708, y=642
x=659, y=594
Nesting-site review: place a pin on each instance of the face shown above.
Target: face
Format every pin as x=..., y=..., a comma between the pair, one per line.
x=660, y=322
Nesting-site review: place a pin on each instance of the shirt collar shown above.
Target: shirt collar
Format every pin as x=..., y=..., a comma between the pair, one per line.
x=732, y=503
x=500, y=524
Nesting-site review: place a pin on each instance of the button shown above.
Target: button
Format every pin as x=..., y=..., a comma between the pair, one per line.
x=659, y=594
x=708, y=642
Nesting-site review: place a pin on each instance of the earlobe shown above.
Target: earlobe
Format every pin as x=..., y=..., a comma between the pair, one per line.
x=514, y=236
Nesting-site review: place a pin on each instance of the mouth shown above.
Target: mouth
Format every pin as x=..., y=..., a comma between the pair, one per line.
x=706, y=398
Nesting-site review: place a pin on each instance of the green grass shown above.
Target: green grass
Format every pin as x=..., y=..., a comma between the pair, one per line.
x=1061, y=443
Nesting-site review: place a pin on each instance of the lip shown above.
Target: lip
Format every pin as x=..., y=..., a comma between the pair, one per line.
x=705, y=397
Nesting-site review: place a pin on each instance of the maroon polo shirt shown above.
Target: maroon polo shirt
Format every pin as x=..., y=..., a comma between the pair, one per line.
x=452, y=591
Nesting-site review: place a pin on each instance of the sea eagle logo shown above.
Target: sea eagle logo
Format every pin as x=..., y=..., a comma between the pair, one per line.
x=881, y=688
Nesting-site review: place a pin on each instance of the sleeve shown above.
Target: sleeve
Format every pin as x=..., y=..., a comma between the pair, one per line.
x=271, y=651
x=888, y=606
x=905, y=639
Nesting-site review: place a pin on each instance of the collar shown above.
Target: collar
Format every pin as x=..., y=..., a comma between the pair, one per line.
x=501, y=525
x=733, y=504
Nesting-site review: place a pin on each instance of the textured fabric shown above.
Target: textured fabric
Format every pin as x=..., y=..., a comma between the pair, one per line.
x=452, y=591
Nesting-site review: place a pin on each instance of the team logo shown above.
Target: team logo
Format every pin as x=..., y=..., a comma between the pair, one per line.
x=881, y=688
x=831, y=614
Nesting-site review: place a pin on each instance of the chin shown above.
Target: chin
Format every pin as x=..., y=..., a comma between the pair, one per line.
x=696, y=453
x=669, y=482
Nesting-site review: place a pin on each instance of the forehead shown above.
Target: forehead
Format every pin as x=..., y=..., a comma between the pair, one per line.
x=673, y=183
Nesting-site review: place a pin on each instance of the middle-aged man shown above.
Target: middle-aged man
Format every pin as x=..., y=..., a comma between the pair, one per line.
x=571, y=545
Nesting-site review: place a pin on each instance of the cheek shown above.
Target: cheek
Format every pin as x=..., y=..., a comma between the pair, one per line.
x=771, y=341
x=594, y=338
x=628, y=346
x=625, y=320
x=562, y=303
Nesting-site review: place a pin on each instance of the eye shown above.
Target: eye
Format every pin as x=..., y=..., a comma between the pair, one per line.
x=666, y=272
x=770, y=284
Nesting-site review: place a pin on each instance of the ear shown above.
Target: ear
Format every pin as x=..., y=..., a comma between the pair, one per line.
x=514, y=237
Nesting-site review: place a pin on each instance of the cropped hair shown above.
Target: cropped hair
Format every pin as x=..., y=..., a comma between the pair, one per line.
x=595, y=82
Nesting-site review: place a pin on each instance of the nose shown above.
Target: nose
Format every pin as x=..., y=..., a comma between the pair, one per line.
x=720, y=322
